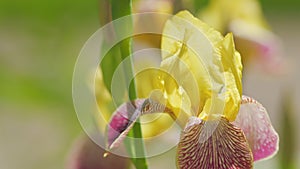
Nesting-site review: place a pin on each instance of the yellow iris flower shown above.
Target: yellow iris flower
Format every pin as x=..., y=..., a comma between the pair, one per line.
x=189, y=71
x=199, y=85
x=211, y=59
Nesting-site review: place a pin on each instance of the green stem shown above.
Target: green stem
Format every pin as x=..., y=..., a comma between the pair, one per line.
x=135, y=147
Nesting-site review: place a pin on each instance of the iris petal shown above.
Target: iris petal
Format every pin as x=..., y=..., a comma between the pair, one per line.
x=253, y=119
x=122, y=121
x=210, y=59
x=127, y=114
x=213, y=144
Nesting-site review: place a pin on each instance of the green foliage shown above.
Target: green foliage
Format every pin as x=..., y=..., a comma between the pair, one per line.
x=118, y=53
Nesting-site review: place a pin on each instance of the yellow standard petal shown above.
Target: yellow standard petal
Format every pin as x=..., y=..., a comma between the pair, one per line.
x=204, y=64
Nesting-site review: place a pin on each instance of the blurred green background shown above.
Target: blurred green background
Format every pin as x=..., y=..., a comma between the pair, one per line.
x=39, y=44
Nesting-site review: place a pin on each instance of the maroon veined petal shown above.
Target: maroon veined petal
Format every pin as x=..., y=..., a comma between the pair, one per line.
x=214, y=144
x=126, y=115
x=253, y=119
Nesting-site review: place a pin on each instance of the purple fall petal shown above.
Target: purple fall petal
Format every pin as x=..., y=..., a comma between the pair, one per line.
x=253, y=119
x=126, y=115
x=122, y=121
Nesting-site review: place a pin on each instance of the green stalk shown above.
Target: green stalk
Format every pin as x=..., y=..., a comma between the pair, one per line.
x=135, y=147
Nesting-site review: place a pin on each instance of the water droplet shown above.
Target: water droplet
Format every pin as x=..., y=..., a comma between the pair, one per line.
x=180, y=90
x=165, y=94
x=105, y=154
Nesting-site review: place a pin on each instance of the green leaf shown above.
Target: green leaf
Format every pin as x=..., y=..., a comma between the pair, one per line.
x=119, y=9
